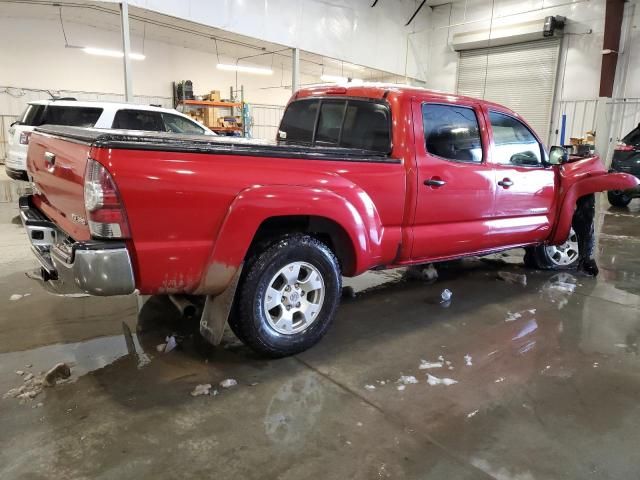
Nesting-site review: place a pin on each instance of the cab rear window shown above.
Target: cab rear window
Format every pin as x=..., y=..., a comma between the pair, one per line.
x=346, y=123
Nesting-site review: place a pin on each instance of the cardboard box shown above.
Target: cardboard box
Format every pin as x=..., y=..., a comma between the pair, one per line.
x=214, y=95
x=209, y=117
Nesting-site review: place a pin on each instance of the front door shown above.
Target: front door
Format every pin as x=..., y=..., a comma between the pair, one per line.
x=456, y=184
x=524, y=209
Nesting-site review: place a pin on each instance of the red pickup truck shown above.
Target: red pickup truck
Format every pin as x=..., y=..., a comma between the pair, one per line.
x=360, y=178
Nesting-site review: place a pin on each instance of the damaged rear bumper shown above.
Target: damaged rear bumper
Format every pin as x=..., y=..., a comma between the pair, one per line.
x=97, y=268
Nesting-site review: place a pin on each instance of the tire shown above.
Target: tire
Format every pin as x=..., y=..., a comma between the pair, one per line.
x=279, y=331
x=618, y=198
x=550, y=257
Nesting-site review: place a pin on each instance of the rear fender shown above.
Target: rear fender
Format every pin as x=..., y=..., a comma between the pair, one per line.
x=594, y=182
x=356, y=215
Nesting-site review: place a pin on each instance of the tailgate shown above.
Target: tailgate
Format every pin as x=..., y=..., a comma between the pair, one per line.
x=57, y=167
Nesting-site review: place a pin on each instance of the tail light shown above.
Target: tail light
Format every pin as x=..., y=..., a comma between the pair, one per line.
x=105, y=210
x=24, y=138
x=623, y=147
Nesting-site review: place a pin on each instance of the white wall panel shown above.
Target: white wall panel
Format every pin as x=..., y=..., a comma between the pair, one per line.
x=341, y=29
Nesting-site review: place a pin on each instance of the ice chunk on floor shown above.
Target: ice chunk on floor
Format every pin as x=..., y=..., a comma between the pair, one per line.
x=431, y=380
x=424, y=365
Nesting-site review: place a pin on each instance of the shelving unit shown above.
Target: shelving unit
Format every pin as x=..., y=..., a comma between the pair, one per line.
x=235, y=109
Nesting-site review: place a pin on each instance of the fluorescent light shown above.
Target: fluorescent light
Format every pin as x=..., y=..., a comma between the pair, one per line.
x=111, y=53
x=338, y=79
x=245, y=69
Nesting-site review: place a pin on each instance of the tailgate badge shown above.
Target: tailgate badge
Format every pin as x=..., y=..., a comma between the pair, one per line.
x=78, y=219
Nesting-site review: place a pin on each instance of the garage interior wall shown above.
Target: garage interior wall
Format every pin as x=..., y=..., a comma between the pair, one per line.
x=579, y=59
x=502, y=74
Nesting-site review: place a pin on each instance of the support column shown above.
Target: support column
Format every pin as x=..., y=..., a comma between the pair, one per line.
x=295, y=70
x=126, y=48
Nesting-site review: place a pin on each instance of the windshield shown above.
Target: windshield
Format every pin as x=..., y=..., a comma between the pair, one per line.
x=633, y=137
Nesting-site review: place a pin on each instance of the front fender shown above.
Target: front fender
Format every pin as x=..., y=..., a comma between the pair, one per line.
x=590, y=183
x=356, y=215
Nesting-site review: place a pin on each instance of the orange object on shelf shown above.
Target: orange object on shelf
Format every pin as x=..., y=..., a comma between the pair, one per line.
x=207, y=103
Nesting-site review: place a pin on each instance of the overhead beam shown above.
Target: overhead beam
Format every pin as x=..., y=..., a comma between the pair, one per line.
x=295, y=70
x=614, y=12
x=126, y=49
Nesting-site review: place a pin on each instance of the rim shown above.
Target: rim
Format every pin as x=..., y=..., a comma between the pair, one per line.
x=565, y=254
x=294, y=298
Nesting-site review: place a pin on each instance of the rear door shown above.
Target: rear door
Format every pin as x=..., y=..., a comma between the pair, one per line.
x=525, y=187
x=455, y=182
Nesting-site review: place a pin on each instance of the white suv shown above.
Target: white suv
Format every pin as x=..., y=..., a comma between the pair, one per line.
x=70, y=112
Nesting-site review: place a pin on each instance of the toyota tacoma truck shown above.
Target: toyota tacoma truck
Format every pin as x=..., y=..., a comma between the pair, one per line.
x=360, y=177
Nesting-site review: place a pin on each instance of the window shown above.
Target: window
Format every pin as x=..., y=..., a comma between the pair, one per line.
x=71, y=116
x=330, y=123
x=514, y=143
x=633, y=137
x=452, y=132
x=347, y=123
x=298, y=122
x=366, y=126
x=138, y=120
x=36, y=115
x=178, y=124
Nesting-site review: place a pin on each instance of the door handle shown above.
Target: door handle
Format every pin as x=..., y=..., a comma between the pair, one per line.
x=505, y=183
x=50, y=158
x=435, y=182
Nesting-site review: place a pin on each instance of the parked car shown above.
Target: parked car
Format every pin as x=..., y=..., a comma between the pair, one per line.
x=90, y=114
x=362, y=177
x=626, y=158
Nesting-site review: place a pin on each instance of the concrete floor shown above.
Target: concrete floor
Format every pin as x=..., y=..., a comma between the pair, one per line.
x=553, y=392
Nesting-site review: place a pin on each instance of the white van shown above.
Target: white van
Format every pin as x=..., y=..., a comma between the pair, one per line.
x=70, y=112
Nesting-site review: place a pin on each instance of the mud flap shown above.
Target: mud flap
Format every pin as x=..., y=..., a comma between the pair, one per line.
x=216, y=311
x=583, y=225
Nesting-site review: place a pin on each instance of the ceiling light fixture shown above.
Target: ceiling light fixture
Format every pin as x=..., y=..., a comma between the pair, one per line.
x=244, y=69
x=111, y=53
x=339, y=79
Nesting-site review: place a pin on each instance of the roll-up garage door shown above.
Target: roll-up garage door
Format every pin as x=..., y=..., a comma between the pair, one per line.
x=521, y=76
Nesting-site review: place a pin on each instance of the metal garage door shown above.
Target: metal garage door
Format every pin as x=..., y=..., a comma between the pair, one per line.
x=520, y=76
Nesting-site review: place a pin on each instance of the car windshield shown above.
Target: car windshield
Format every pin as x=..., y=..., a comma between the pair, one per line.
x=633, y=137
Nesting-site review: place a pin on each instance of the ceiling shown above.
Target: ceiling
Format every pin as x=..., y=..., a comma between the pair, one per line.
x=147, y=25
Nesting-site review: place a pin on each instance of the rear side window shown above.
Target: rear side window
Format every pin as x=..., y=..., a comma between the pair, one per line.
x=71, y=116
x=178, y=124
x=452, y=132
x=633, y=137
x=298, y=122
x=139, y=120
x=348, y=123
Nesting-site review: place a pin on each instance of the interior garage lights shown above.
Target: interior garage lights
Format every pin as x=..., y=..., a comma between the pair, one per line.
x=245, y=69
x=111, y=53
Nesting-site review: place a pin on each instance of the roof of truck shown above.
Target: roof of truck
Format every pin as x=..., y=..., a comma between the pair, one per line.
x=381, y=90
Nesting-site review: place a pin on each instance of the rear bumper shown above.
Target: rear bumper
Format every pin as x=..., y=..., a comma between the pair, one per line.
x=97, y=268
x=17, y=174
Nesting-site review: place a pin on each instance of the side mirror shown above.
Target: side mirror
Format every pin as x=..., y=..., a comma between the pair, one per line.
x=558, y=155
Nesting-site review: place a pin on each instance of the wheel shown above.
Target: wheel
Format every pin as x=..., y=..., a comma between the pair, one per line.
x=554, y=257
x=288, y=297
x=618, y=198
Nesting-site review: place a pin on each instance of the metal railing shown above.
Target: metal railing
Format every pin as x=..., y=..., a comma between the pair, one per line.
x=265, y=120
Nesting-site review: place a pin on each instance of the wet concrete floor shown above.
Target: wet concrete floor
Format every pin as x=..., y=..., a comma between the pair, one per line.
x=548, y=380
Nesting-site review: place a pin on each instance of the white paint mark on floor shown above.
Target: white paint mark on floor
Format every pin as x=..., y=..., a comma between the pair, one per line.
x=431, y=380
x=425, y=365
x=407, y=379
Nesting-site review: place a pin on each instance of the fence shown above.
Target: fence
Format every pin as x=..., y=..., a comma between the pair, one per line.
x=265, y=120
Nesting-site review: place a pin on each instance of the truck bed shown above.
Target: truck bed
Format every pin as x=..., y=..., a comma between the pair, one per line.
x=172, y=142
